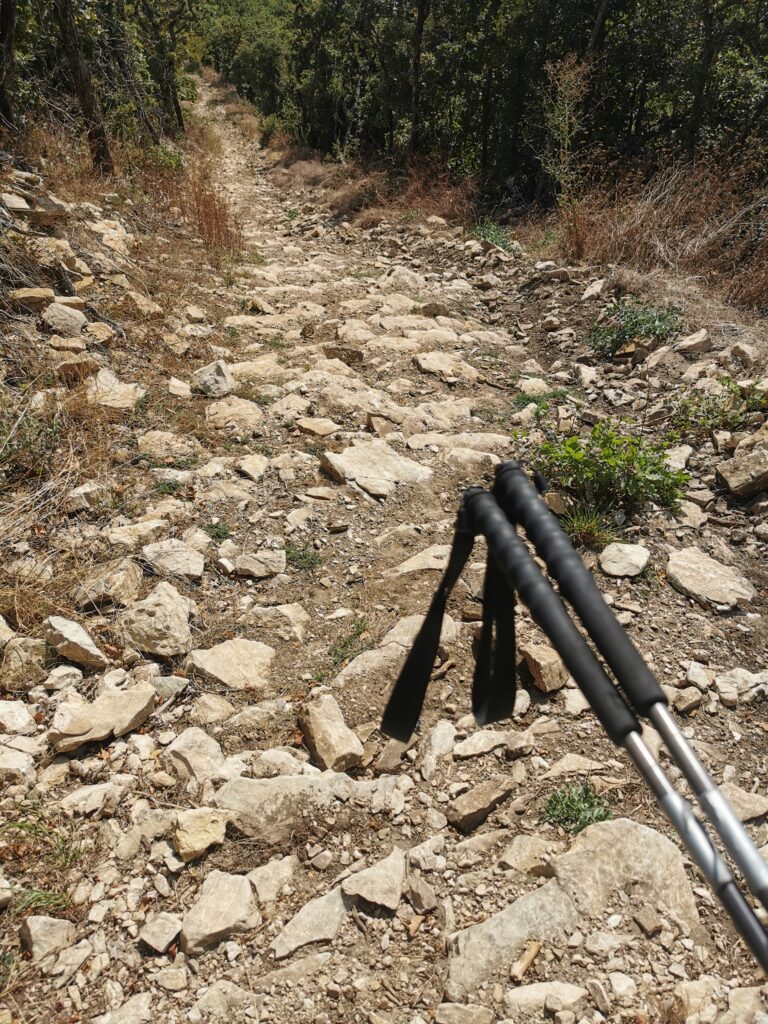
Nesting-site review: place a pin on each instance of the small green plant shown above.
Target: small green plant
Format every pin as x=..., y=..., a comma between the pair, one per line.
x=38, y=901
x=276, y=342
x=633, y=321
x=543, y=403
x=487, y=230
x=291, y=213
x=217, y=531
x=168, y=486
x=351, y=645
x=576, y=806
x=587, y=526
x=609, y=470
x=698, y=413
x=44, y=836
x=305, y=558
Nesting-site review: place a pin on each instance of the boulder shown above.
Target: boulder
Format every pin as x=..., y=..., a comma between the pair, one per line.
x=374, y=466
x=236, y=414
x=331, y=742
x=624, y=559
x=707, y=581
x=318, y=921
x=213, y=381
x=160, y=623
x=239, y=664
x=71, y=641
x=115, y=712
x=223, y=908
x=42, y=936
x=381, y=884
x=174, y=558
x=745, y=474
x=61, y=319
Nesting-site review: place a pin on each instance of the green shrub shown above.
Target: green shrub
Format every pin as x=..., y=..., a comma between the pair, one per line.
x=609, y=470
x=302, y=558
x=588, y=527
x=575, y=807
x=697, y=414
x=633, y=321
x=488, y=230
x=217, y=531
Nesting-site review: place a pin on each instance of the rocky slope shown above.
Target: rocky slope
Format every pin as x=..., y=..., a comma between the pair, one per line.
x=250, y=477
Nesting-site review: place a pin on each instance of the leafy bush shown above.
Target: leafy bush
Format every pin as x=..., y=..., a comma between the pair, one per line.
x=302, y=558
x=575, y=807
x=488, y=230
x=633, y=321
x=609, y=470
x=699, y=413
x=217, y=531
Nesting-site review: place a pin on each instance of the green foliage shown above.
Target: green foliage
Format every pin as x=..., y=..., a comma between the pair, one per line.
x=27, y=439
x=587, y=526
x=51, y=841
x=354, y=643
x=168, y=486
x=698, y=413
x=38, y=901
x=217, y=531
x=489, y=231
x=305, y=558
x=543, y=403
x=574, y=807
x=633, y=321
x=609, y=470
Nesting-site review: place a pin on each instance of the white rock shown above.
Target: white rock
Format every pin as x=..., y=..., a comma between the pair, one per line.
x=375, y=467
x=239, y=664
x=234, y=414
x=160, y=623
x=260, y=565
x=534, y=998
x=318, y=921
x=195, y=755
x=381, y=884
x=159, y=932
x=270, y=879
x=106, y=390
x=224, y=907
x=214, y=380
x=197, y=830
x=174, y=558
x=64, y=320
x=15, y=718
x=707, y=581
x=330, y=741
x=44, y=935
x=137, y=1010
x=624, y=559
x=71, y=641
x=115, y=712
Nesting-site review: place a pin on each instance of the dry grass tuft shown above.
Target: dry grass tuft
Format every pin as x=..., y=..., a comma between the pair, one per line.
x=210, y=216
x=708, y=219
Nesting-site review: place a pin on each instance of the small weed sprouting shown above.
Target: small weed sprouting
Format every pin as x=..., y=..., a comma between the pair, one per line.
x=276, y=342
x=609, y=470
x=633, y=321
x=587, y=526
x=305, y=558
x=487, y=230
x=697, y=414
x=38, y=836
x=217, y=531
x=168, y=486
x=543, y=403
x=351, y=645
x=574, y=807
x=291, y=214
x=38, y=901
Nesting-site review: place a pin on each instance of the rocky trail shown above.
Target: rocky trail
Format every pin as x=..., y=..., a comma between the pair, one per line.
x=205, y=603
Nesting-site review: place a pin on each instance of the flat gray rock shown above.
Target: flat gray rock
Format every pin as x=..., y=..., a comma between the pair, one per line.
x=331, y=742
x=239, y=664
x=695, y=574
x=160, y=623
x=223, y=908
x=375, y=467
x=380, y=884
x=624, y=559
x=318, y=921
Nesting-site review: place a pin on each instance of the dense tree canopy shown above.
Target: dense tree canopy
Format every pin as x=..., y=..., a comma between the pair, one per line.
x=488, y=88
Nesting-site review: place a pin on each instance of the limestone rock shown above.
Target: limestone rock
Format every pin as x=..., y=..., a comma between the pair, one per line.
x=136, y=1010
x=174, y=558
x=381, y=884
x=540, y=995
x=288, y=621
x=159, y=932
x=16, y=719
x=745, y=475
x=471, y=809
x=375, y=467
x=64, y=320
x=195, y=755
x=544, y=663
x=318, y=921
x=114, y=587
x=707, y=581
x=71, y=641
x=166, y=447
x=44, y=935
x=213, y=381
x=261, y=564
x=748, y=806
x=224, y=907
x=197, y=830
x=24, y=663
x=624, y=559
x=106, y=390
x=235, y=414
x=330, y=741
x=133, y=536
x=446, y=366
x=456, y=1013
x=270, y=879
x=115, y=712
x=239, y=664
x=160, y=623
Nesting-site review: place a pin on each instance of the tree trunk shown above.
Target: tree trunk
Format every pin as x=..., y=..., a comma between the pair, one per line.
x=422, y=13
x=98, y=140
x=120, y=48
x=708, y=51
x=598, y=29
x=7, y=54
x=486, y=99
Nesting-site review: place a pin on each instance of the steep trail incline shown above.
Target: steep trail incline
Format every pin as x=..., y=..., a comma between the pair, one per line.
x=233, y=590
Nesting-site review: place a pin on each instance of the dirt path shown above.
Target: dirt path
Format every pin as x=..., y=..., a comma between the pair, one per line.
x=254, y=849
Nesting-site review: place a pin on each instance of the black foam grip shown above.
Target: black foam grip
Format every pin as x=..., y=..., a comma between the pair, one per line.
x=523, y=505
x=548, y=611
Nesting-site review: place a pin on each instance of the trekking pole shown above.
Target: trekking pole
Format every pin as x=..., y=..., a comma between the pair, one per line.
x=523, y=504
x=509, y=557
